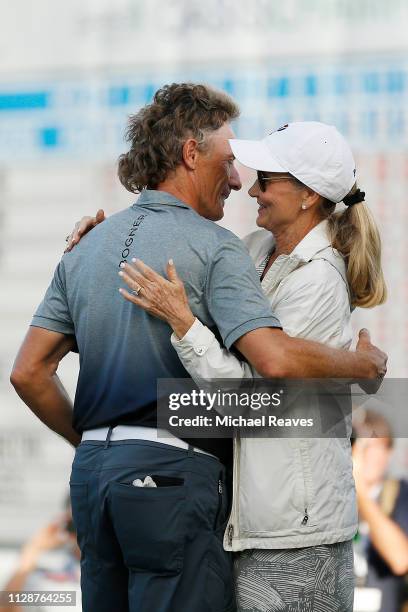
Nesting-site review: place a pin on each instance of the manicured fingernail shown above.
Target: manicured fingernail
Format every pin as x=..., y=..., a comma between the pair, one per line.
x=171, y=262
x=134, y=260
x=122, y=265
x=120, y=290
x=120, y=273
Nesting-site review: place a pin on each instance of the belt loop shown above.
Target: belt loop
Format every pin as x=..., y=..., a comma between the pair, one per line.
x=108, y=436
x=190, y=450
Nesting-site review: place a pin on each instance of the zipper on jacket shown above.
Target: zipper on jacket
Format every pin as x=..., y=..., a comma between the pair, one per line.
x=230, y=534
x=233, y=518
x=219, y=509
x=304, y=461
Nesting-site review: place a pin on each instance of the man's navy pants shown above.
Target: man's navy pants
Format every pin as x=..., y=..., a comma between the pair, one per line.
x=151, y=549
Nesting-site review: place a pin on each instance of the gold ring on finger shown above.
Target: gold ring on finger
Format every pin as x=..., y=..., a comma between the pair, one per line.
x=137, y=290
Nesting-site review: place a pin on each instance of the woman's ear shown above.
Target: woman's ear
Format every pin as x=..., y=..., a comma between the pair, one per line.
x=310, y=199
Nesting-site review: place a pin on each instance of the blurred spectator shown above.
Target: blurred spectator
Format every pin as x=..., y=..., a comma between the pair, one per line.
x=381, y=545
x=49, y=561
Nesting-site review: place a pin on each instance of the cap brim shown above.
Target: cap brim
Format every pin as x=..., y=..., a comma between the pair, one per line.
x=255, y=154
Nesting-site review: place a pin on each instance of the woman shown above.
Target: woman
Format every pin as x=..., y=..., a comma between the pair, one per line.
x=294, y=511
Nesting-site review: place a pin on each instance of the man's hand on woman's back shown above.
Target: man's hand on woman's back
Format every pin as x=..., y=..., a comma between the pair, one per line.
x=379, y=360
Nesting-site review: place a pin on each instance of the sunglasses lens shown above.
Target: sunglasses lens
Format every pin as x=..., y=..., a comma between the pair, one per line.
x=261, y=181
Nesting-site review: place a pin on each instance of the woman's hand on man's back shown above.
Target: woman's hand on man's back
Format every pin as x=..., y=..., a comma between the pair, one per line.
x=82, y=227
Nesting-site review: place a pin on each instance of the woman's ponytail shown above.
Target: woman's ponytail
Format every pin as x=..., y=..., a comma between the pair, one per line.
x=354, y=233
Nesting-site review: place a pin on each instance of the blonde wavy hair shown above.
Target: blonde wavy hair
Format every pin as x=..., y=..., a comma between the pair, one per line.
x=354, y=233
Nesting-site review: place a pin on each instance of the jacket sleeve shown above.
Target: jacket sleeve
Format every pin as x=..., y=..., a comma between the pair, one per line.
x=313, y=302
x=204, y=358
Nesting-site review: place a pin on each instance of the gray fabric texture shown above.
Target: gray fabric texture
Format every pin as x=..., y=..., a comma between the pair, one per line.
x=312, y=579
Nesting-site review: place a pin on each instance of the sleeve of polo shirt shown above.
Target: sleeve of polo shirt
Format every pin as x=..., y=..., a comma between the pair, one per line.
x=234, y=294
x=53, y=312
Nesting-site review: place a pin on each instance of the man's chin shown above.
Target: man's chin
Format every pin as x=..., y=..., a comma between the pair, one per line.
x=219, y=213
x=219, y=216
x=214, y=212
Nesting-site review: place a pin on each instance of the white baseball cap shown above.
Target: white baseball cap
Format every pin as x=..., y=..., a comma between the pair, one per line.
x=315, y=153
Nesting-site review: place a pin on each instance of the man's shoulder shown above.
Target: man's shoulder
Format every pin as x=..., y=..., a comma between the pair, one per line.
x=192, y=221
x=191, y=231
x=210, y=234
x=218, y=231
x=123, y=216
x=118, y=221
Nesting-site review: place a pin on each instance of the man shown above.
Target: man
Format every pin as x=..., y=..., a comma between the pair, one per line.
x=158, y=547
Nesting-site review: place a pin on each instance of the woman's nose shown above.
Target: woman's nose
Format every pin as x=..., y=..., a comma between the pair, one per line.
x=254, y=190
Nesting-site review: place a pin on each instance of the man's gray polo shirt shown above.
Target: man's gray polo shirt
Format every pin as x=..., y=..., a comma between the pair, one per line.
x=122, y=349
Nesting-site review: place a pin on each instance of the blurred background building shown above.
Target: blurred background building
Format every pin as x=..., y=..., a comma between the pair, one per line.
x=71, y=73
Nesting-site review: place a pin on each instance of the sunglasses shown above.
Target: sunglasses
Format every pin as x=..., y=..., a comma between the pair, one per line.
x=262, y=179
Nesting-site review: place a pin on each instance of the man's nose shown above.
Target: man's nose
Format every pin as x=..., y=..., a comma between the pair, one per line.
x=234, y=179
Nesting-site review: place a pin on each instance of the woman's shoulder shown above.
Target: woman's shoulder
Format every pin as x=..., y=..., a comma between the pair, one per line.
x=259, y=241
x=320, y=271
x=313, y=282
x=313, y=302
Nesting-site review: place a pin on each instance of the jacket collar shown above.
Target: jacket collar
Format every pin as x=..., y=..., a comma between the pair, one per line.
x=315, y=241
x=262, y=242
x=315, y=245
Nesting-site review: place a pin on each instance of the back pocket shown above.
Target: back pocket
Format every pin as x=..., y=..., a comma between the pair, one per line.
x=150, y=526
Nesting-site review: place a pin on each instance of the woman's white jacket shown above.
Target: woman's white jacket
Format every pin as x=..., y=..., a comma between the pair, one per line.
x=287, y=492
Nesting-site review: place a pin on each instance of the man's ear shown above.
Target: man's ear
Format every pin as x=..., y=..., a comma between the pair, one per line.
x=190, y=153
